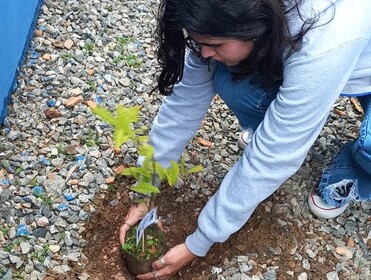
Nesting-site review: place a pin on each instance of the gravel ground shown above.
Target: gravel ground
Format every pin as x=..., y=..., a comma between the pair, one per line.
x=55, y=155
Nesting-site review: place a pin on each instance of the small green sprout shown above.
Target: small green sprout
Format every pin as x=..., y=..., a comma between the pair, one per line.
x=68, y=56
x=92, y=85
x=88, y=48
x=5, y=230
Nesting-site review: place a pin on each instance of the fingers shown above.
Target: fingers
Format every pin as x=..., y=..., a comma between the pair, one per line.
x=122, y=233
x=160, y=224
x=155, y=275
x=135, y=213
x=160, y=271
x=161, y=274
x=171, y=263
x=160, y=263
x=162, y=260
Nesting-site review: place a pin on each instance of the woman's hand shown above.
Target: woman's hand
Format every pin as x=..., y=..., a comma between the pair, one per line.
x=170, y=264
x=136, y=213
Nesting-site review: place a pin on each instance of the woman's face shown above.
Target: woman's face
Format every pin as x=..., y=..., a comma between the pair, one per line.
x=228, y=51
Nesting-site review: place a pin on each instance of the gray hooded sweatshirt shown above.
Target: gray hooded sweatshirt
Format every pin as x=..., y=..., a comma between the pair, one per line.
x=335, y=59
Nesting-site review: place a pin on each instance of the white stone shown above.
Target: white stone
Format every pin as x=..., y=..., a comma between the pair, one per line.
x=332, y=276
x=54, y=248
x=16, y=260
x=306, y=264
x=25, y=247
x=61, y=269
x=74, y=257
x=42, y=222
x=216, y=270
x=95, y=154
x=60, y=222
x=303, y=276
x=241, y=259
x=245, y=277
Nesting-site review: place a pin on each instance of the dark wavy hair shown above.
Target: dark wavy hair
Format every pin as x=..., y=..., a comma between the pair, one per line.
x=265, y=21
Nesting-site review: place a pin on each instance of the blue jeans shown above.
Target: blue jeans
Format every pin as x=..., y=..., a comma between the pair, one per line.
x=245, y=98
x=249, y=102
x=353, y=160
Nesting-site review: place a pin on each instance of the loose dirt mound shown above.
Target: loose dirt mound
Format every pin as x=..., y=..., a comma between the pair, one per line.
x=264, y=239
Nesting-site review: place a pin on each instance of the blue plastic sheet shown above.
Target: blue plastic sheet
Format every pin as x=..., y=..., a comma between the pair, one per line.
x=17, y=22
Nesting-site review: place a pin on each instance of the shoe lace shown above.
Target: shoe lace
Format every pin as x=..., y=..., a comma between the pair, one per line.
x=344, y=189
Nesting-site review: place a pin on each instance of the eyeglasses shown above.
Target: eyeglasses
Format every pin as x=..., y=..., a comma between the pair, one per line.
x=195, y=46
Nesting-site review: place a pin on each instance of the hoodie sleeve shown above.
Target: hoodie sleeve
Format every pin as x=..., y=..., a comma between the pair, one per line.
x=181, y=113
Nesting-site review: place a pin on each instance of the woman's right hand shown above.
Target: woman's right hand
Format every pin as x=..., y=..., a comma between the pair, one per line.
x=136, y=213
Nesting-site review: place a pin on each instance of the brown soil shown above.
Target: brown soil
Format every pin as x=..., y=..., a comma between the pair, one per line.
x=257, y=239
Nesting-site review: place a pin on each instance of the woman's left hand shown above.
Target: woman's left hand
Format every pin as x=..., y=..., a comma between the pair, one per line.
x=169, y=264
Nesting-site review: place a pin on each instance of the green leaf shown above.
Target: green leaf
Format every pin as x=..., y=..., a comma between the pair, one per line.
x=160, y=171
x=172, y=173
x=126, y=246
x=130, y=113
x=142, y=139
x=120, y=137
x=145, y=188
x=146, y=150
x=194, y=169
x=122, y=123
x=182, y=166
x=138, y=172
x=104, y=114
x=147, y=164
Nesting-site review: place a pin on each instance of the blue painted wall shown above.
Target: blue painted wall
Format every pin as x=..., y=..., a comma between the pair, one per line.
x=17, y=21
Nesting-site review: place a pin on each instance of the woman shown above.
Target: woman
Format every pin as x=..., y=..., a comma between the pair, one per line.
x=279, y=67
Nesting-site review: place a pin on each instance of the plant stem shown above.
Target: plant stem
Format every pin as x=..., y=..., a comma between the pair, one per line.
x=143, y=243
x=153, y=179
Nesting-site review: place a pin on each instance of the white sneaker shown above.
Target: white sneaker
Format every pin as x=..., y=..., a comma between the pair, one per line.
x=244, y=138
x=340, y=193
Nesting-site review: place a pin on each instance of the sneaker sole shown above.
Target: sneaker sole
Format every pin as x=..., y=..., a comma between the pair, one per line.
x=321, y=209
